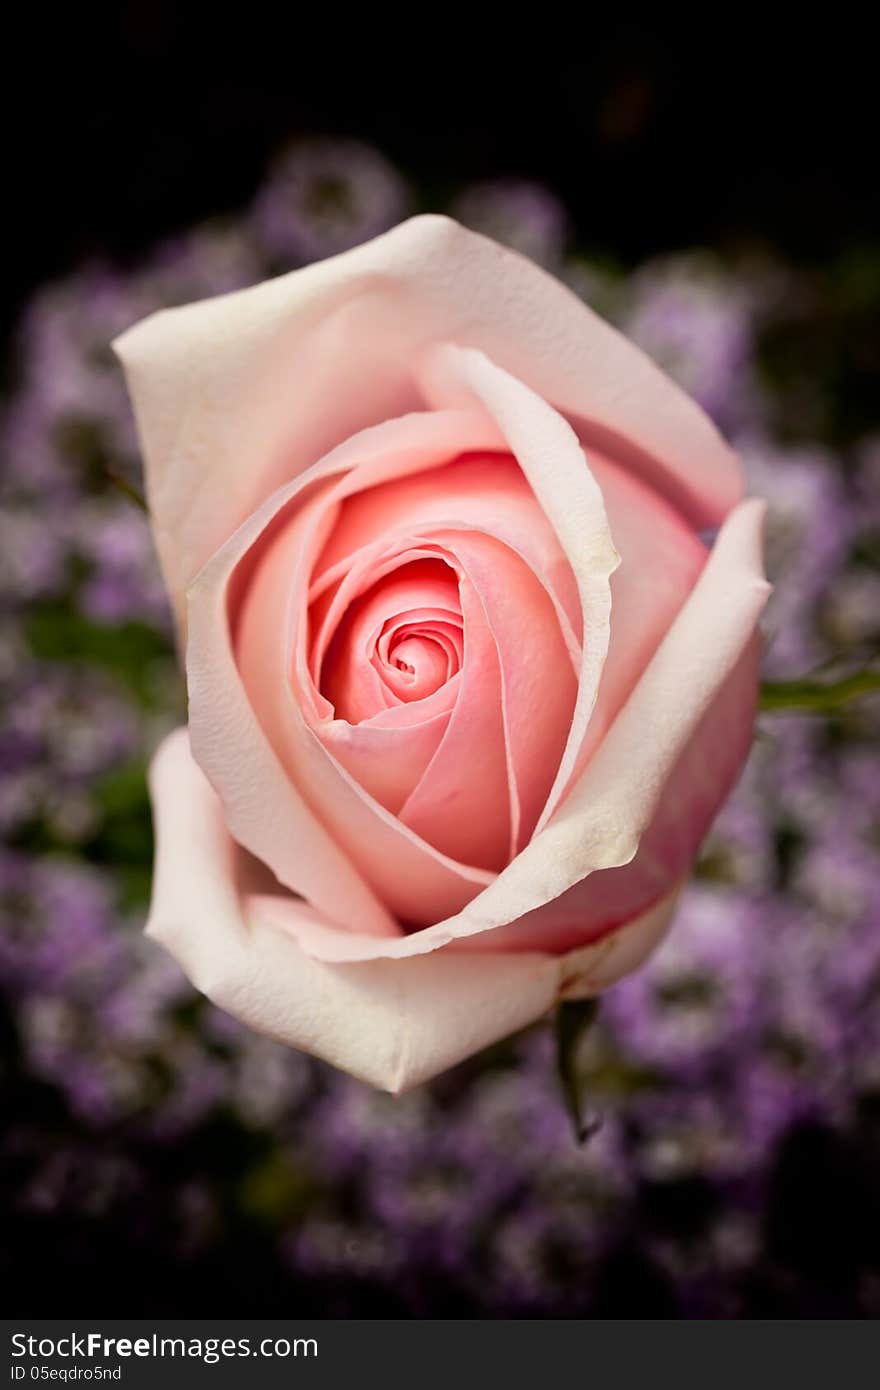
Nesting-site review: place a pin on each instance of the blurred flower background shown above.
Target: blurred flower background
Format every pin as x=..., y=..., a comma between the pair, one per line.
x=160, y=1158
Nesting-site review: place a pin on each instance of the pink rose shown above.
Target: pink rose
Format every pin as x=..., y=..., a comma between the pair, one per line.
x=466, y=687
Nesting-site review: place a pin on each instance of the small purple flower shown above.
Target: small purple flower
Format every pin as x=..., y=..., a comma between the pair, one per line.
x=696, y=999
x=808, y=533
x=525, y=216
x=124, y=582
x=325, y=196
x=698, y=322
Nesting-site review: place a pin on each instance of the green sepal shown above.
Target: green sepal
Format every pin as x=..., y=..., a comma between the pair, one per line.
x=574, y=1018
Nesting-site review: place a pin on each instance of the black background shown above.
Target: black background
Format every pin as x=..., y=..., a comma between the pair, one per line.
x=123, y=125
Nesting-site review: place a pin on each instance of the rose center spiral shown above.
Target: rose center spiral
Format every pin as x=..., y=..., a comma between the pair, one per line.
x=415, y=660
x=399, y=641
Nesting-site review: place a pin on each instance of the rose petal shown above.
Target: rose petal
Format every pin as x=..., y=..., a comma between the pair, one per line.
x=478, y=492
x=552, y=459
x=412, y=583
x=603, y=819
x=700, y=782
x=236, y=395
x=660, y=561
x=538, y=682
x=274, y=787
x=387, y=761
x=461, y=803
x=393, y=1024
x=384, y=745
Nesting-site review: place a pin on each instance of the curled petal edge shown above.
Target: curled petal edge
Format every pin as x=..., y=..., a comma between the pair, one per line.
x=235, y=395
x=391, y=1023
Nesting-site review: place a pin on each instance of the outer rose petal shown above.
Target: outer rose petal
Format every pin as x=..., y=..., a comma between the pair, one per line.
x=236, y=395
x=699, y=783
x=392, y=1023
x=660, y=562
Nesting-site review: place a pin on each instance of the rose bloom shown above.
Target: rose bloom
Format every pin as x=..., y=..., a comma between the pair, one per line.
x=466, y=683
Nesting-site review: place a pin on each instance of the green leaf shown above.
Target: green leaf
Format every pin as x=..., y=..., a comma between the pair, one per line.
x=574, y=1017
x=132, y=651
x=817, y=694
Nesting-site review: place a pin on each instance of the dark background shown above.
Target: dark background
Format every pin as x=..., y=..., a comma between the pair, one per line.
x=125, y=125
